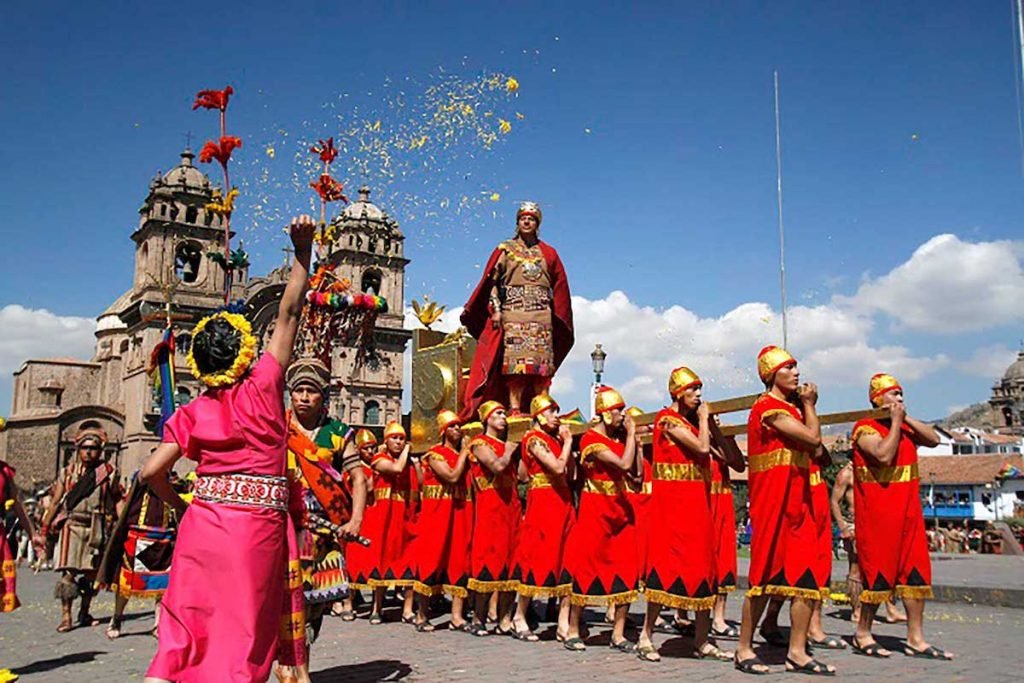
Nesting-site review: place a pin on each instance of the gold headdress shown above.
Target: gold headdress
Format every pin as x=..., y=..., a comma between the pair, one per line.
x=393, y=429
x=364, y=437
x=445, y=419
x=771, y=360
x=530, y=209
x=881, y=384
x=680, y=380
x=487, y=408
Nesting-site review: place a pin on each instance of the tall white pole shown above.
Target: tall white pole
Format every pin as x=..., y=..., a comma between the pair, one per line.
x=782, y=232
x=1018, y=9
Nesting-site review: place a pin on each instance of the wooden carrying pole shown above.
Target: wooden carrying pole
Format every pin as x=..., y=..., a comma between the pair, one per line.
x=518, y=426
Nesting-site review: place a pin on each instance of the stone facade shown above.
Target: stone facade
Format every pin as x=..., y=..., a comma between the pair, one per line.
x=1008, y=397
x=53, y=397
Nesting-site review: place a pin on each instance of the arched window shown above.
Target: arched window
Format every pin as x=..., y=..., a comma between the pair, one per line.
x=371, y=281
x=371, y=413
x=192, y=214
x=187, y=258
x=183, y=342
x=123, y=349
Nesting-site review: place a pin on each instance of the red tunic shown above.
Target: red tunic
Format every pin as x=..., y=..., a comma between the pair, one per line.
x=437, y=525
x=681, y=548
x=8, y=593
x=723, y=516
x=497, y=507
x=545, y=528
x=821, y=507
x=393, y=512
x=600, y=554
x=640, y=499
x=889, y=523
x=485, y=379
x=784, y=549
x=359, y=560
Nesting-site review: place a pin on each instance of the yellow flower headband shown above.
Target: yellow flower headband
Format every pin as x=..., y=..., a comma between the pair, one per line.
x=245, y=357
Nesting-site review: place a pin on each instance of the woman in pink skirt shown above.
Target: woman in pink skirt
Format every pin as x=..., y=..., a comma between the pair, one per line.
x=222, y=613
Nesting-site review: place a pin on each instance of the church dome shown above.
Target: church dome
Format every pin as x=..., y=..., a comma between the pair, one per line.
x=185, y=176
x=1016, y=369
x=363, y=208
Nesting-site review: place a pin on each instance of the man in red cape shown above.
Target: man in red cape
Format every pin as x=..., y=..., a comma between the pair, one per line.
x=518, y=351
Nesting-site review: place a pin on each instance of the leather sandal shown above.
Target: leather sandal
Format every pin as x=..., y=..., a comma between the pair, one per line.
x=812, y=668
x=872, y=649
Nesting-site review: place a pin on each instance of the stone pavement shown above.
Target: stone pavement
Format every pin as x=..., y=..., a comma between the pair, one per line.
x=985, y=639
x=995, y=580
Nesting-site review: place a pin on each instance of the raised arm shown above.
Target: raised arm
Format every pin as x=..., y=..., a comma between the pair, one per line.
x=923, y=434
x=289, y=311
x=625, y=463
x=556, y=464
x=393, y=466
x=699, y=443
x=806, y=433
x=881, y=449
x=489, y=459
x=725, y=448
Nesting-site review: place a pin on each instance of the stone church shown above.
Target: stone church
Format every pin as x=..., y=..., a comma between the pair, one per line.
x=53, y=398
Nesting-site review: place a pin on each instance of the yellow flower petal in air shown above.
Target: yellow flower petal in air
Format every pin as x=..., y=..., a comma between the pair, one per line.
x=511, y=84
x=495, y=196
x=504, y=126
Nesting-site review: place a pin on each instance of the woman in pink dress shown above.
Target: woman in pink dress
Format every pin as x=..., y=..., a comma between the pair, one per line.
x=222, y=613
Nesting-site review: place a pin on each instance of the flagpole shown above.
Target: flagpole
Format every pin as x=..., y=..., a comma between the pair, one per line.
x=782, y=233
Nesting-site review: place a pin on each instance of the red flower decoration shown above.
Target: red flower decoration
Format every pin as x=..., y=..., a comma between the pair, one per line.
x=220, y=151
x=213, y=99
x=329, y=189
x=326, y=150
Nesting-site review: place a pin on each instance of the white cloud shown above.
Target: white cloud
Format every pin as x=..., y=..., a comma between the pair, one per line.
x=989, y=362
x=38, y=333
x=949, y=286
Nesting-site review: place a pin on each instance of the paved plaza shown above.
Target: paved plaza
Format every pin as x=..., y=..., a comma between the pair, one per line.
x=984, y=638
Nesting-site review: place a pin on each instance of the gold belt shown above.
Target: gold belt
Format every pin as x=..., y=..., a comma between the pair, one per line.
x=816, y=478
x=604, y=487
x=886, y=475
x=680, y=471
x=718, y=487
x=778, y=458
x=485, y=484
x=441, y=492
x=542, y=481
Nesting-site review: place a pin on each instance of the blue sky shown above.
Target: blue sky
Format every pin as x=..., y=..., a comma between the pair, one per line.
x=647, y=134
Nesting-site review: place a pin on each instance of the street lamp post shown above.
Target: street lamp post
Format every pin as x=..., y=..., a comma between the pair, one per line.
x=597, y=358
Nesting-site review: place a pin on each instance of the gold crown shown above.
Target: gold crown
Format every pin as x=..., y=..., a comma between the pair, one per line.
x=608, y=399
x=445, y=419
x=881, y=384
x=364, y=437
x=771, y=359
x=530, y=209
x=486, y=408
x=633, y=411
x=393, y=429
x=681, y=379
x=540, y=403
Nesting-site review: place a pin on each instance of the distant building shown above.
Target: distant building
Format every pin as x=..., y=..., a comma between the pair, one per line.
x=971, y=441
x=53, y=397
x=976, y=488
x=1008, y=397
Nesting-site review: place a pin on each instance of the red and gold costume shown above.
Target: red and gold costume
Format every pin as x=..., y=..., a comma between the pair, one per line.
x=600, y=556
x=496, y=520
x=549, y=512
x=536, y=334
x=640, y=499
x=889, y=523
x=681, y=549
x=359, y=560
x=723, y=517
x=393, y=516
x=784, y=549
x=443, y=527
x=8, y=573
